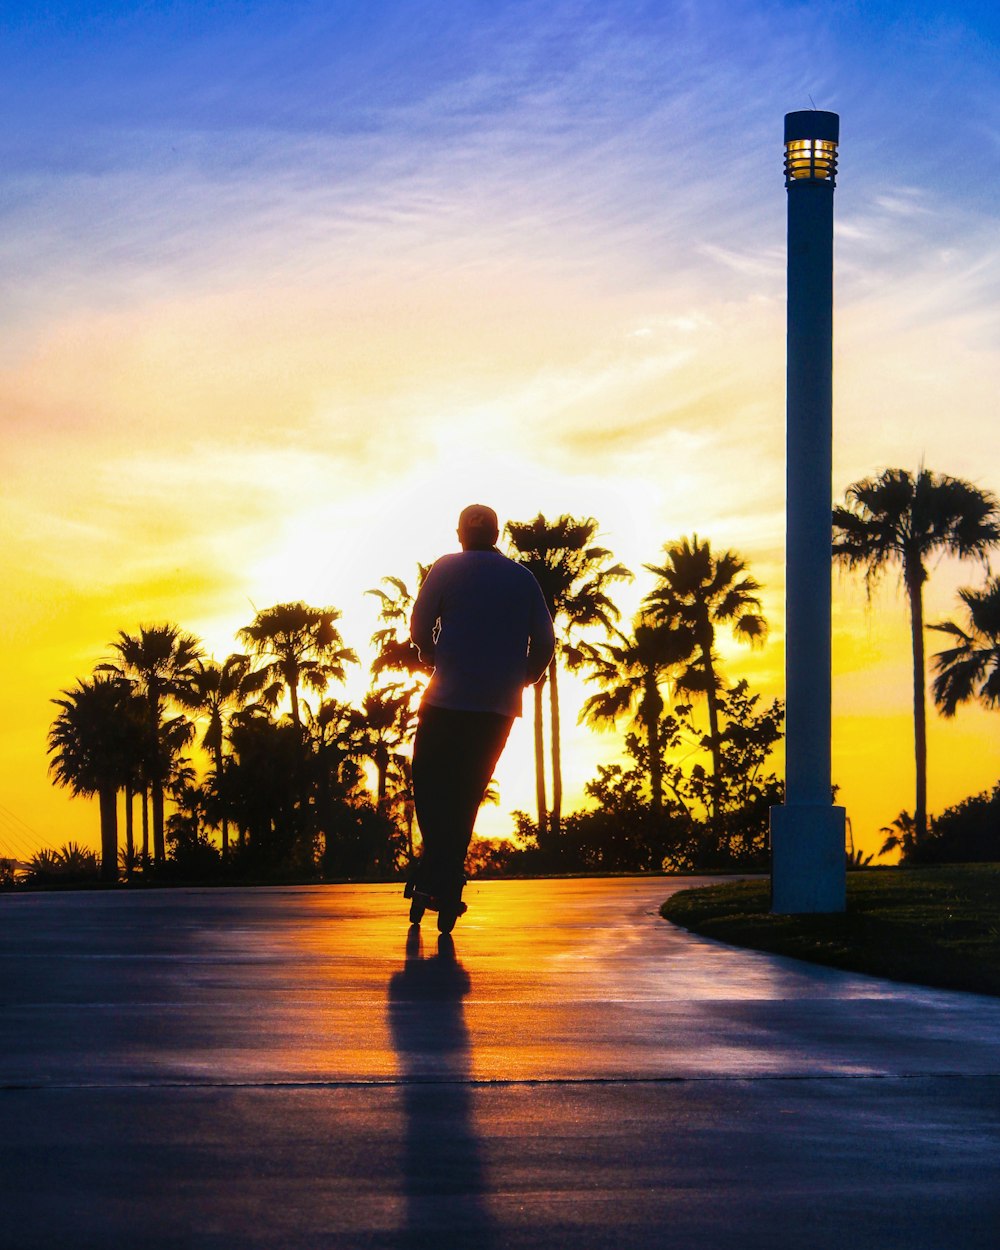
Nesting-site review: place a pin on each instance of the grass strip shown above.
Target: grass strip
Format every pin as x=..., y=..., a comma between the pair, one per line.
x=936, y=926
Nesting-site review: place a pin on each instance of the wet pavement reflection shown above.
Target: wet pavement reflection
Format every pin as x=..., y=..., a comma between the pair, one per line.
x=568, y=980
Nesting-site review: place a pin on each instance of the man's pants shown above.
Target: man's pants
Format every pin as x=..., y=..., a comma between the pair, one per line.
x=454, y=755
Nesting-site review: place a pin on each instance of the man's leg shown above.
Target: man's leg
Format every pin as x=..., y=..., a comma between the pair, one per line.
x=430, y=772
x=454, y=756
x=481, y=743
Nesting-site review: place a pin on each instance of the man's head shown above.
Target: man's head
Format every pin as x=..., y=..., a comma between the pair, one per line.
x=478, y=528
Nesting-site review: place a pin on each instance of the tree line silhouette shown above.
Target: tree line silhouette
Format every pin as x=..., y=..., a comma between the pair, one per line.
x=319, y=788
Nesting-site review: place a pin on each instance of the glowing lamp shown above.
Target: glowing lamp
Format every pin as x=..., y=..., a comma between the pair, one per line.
x=811, y=138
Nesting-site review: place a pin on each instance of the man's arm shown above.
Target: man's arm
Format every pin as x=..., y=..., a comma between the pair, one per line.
x=424, y=619
x=542, y=640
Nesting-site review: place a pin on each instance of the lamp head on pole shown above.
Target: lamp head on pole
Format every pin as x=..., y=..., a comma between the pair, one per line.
x=811, y=138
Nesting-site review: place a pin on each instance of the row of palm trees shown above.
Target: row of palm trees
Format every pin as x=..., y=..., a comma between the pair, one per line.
x=672, y=643
x=896, y=518
x=124, y=729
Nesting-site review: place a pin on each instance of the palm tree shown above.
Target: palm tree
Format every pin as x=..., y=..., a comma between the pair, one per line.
x=90, y=743
x=160, y=661
x=394, y=652
x=899, y=519
x=71, y=863
x=900, y=835
x=388, y=719
x=269, y=785
x=632, y=670
x=971, y=669
x=213, y=689
x=338, y=744
x=44, y=865
x=135, y=780
x=574, y=576
x=696, y=593
x=301, y=646
x=191, y=803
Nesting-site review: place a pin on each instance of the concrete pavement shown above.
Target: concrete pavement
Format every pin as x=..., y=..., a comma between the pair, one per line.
x=294, y=1068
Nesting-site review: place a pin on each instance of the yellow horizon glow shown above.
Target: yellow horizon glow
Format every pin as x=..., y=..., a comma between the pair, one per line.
x=308, y=557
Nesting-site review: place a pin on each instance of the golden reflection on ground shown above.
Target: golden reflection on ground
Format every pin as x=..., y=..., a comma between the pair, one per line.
x=561, y=980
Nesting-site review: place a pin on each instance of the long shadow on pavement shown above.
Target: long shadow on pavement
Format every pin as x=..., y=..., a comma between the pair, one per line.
x=443, y=1173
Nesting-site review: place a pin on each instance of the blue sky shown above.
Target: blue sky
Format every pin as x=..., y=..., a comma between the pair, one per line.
x=151, y=146
x=223, y=92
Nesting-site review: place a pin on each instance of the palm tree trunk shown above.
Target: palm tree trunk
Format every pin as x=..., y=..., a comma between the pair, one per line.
x=145, y=826
x=555, y=818
x=540, y=763
x=651, y=707
x=716, y=747
x=129, y=829
x=220, y=785
x=159, y=845
x=293, y=692
x=914, y=590
x=108, y=800
x=156, y=778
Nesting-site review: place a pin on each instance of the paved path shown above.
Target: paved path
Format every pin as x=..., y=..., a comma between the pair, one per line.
x=289, y=1068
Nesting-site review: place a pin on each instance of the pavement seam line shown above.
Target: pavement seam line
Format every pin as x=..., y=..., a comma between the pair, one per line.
x=494, y=1083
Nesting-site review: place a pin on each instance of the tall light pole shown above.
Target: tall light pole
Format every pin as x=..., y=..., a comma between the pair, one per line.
x=807, y=832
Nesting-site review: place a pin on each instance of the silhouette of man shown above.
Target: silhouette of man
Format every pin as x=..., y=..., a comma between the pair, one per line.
x=481, y=620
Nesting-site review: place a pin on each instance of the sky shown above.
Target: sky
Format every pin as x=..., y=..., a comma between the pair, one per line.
x=284, y=286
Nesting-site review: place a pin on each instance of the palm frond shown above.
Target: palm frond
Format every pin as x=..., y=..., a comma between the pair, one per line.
x=970, y=669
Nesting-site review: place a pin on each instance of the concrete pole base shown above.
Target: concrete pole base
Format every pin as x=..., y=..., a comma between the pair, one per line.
x=807, y=859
